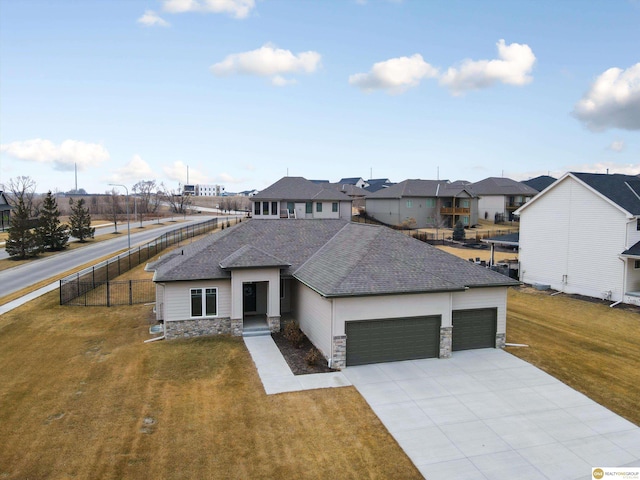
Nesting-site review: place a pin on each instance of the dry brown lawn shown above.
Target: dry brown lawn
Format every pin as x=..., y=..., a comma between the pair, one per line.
x=81, y=396
x=485, y=255
x=587, y=345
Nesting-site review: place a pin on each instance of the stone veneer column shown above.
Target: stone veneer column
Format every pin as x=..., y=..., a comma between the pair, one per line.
x=236, y=327
x=445, y=342
x=500, y=340
x=339, y=357
x=274, y=324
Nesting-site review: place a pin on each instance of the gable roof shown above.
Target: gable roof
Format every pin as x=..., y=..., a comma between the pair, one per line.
x=375, y=184
x=502, y=186
x=539, y=183
x=351, y=180
x=623, y=191
x=249, y=256
x=333, y=257
x=299, y=188
x=348, y=189
x=423, y=188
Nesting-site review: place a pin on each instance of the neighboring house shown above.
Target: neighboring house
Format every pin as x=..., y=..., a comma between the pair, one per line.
x=297, y=197
x=356, y=194
x=356, y=181
x=431, y=203
x=375, y=184
x=539, y=183
x=5, y=211
x=582, y=235
x=248, y=193
x=361, y=293
x=499, y=197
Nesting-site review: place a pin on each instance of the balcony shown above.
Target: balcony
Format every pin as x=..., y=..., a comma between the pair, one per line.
x=455, y=211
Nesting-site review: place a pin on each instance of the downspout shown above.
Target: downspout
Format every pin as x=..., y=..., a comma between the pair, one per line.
x=154, y=339
x=330, y=359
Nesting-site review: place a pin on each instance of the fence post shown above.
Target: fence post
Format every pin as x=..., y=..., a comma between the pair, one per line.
x=108, y=296
x=61, y=292
x=93, y=277
x=130, y=293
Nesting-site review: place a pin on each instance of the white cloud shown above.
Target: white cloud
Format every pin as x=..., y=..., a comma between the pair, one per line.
x=152, y=19
x=617, y=145
x=513, y=68
x=395, y=75
x=134, y=171
x=613, y=101
x=235, y=8
x=63, y=157
x=178, y=173
x=268, y=61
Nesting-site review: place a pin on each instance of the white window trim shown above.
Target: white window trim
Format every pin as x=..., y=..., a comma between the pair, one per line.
x=204, y=302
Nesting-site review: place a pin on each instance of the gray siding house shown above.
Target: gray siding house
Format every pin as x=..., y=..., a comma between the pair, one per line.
x=361, y=293
x=297, y=197
x=431, y=203
x=499, y=197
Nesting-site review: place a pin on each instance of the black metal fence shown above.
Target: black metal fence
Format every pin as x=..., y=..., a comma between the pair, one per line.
x=95, y=284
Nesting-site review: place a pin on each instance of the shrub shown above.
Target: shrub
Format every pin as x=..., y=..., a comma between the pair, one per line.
x=458, y=231
x=312, y=357
x=293, y=334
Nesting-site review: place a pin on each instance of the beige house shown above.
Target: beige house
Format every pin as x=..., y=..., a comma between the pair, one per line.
x=361, y=293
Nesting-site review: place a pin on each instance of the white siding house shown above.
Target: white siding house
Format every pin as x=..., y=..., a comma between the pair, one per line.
x=577, y=236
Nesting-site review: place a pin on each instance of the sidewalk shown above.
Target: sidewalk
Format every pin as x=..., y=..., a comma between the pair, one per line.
x=276, y=375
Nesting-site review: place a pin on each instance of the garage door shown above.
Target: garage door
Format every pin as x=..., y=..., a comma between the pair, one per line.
x=474, y=329
x=393, y=339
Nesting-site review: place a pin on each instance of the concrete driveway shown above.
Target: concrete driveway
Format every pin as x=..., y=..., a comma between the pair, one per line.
x=485, y=414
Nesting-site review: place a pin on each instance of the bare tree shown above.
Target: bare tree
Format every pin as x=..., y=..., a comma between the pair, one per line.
x=148, y=197
x=178, y=202
x=24, y=189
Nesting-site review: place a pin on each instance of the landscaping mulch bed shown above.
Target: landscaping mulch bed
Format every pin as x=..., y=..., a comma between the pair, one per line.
x=295, y=357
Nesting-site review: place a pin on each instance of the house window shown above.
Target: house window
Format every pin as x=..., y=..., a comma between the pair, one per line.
x=274, y=208
x=465, y=220
x=334, y=207
x=290, y=207
x=318, y=207
x=265, y=208
x=430, y=202
x=282, y=286
x=309, y=207
x=638, y=224
x=409, y=203
x=464, y=204
x=204, y=302
x=256, y=208
x=636, y=264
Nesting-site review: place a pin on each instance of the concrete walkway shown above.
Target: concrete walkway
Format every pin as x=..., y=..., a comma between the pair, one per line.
x=276, y=375
x=482, y=414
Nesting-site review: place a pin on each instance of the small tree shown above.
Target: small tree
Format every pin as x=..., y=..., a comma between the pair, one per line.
x=80, y=221
x=458, y=231
x=22, y=241
x=51, y=234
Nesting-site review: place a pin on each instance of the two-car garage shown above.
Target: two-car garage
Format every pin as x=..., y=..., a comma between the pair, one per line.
x=410, y=338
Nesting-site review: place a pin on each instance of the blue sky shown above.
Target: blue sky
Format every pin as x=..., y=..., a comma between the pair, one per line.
x=244, y=91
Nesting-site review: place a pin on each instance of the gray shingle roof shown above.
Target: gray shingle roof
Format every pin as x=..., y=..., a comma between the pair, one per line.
x=422, y=188
x=623, y=190
x=539, y=183
x=502, y=186
x=301, y=189
x=334, y=257
x=249, y=256
x=634, y=251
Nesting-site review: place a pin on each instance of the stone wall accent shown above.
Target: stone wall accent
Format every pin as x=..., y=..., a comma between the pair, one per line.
x=200, y=327
x=274, y=324
x=501, y=339
x=339, y=357
x=445, y=342
x=236, y=327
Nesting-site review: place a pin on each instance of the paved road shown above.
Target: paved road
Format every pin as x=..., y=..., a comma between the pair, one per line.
x=20, y=277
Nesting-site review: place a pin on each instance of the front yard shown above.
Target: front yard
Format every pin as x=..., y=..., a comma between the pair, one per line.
x=81, y=396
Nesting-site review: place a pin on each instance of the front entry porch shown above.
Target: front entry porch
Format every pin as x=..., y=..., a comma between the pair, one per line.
x=255, y=325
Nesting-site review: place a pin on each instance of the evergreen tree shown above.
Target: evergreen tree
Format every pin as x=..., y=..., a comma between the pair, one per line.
x=458, y=231
x=51, y=234
x=22, y=241
x=80, y=221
